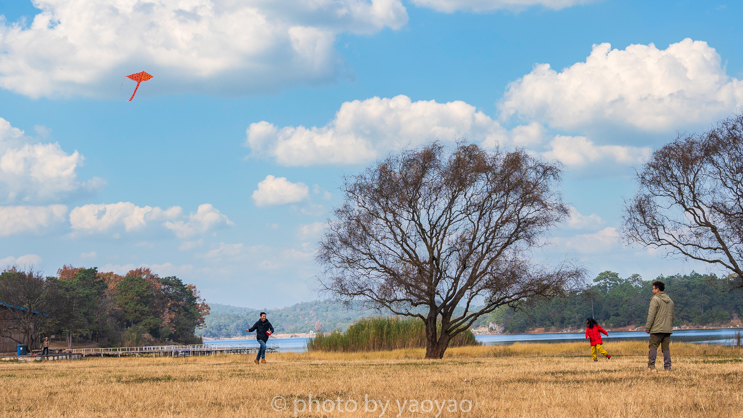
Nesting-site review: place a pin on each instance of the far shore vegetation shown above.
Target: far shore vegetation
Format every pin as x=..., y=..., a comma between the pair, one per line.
x=701, y=300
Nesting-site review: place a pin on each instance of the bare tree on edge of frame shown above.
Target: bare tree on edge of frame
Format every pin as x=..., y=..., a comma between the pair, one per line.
x=436, y=230
x=690, y=200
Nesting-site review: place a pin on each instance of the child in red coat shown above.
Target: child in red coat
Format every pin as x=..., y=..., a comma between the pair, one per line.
x=593, y=332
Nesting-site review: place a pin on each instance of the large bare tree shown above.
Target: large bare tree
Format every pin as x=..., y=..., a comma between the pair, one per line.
x=426, y=231
x=690, y=200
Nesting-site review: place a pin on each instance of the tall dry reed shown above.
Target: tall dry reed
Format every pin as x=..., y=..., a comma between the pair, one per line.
x=382, y=333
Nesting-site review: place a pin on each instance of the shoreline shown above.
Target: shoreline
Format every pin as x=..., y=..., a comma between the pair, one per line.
x=538, y=331
x=252, y=337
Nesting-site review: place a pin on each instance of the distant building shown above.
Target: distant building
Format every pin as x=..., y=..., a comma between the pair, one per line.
x=481, y=330
x=9, y=338
x=495, y=328
x=7, y=344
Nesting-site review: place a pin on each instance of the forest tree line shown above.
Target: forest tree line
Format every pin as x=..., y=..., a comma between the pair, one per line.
x=82, y=304
x=699, y=300
x=614, y=301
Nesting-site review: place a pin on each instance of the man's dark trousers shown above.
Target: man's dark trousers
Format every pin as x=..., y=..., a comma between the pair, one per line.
x=663, y=340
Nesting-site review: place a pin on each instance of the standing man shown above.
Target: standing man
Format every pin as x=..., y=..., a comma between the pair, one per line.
x=660, y=326
x=45, y=347
x=262, y=329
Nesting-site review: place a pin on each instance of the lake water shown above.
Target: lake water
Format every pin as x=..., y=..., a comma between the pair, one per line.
x=294, y=345
x=700, y=336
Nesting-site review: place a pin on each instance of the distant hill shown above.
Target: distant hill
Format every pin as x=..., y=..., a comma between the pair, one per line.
x=227, y=321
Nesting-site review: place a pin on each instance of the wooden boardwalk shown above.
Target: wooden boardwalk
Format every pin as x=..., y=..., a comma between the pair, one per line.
x=172, y=350
x=147, y=351
x=48, y=357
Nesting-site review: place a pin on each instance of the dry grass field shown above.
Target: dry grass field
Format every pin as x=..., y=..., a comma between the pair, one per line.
x=523, y=380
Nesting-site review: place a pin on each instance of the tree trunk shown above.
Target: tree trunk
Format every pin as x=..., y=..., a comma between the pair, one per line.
x=435, y=344
x=436, y=350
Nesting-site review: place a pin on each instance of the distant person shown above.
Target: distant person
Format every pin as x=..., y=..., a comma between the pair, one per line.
x=263, y=329
x=660, y=326
x=45, y=347
x=593, y=333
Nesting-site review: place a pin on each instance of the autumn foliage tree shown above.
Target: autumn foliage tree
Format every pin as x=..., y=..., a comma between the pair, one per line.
x=82, y=303
x=424, y=232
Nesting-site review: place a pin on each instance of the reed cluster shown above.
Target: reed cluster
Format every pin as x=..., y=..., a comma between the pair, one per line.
x=382, y=333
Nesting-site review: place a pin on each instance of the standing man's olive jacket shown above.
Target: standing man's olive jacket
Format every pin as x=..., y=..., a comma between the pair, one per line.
x=660, y=314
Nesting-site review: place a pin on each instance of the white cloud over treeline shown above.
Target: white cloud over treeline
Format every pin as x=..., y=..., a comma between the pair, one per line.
x=126, y=217
x=30, y=219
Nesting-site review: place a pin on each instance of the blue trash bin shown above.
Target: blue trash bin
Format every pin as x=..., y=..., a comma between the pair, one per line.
x=22, y=349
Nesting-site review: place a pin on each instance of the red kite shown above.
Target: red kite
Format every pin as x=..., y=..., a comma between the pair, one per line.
x=139, y=78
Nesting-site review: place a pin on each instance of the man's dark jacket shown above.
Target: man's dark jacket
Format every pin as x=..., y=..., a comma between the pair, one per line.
x=260, y=329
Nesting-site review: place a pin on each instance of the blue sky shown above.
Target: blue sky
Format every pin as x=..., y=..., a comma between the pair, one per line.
x=226, y=164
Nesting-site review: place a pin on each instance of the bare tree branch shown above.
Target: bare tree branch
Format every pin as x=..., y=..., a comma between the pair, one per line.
x=436, y=230
x=691, y=199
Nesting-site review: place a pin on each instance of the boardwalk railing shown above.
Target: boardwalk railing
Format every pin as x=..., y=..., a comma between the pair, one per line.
x=172, y=350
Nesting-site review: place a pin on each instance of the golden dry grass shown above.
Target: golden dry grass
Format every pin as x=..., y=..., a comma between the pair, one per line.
x=522, y=380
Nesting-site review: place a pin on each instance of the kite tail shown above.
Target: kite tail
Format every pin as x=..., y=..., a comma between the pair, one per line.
x=135, y=90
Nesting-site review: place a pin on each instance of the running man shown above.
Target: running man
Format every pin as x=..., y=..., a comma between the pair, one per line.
x=263, y=329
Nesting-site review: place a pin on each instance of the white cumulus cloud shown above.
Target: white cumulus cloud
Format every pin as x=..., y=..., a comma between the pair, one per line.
x=605, y=240
x=364, y=130
x=85, y=47
x=206, y=219
x=227, y=251
x=641, y=87
x=33, y=172
x=312, y=231
x=577, y=220
x=91, y=254
x=190, y=245
x=98, y=218
x=450, y=6
x=279, y=191
x=126, y=217
x=24, y=219
x=24, y=261
x=578, y=151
